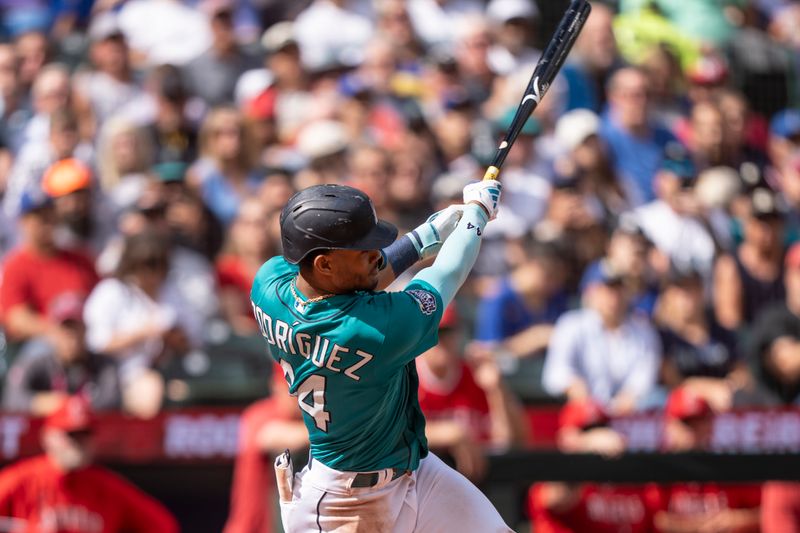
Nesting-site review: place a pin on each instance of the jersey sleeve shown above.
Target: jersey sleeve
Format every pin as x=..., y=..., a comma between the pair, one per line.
x=14, y=289
x=409, y=321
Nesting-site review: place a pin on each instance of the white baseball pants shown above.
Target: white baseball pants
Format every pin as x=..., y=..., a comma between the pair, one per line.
x=433, y=499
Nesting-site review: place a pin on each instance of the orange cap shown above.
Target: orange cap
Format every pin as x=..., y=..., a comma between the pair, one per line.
x=74, y=414
x=65, y=177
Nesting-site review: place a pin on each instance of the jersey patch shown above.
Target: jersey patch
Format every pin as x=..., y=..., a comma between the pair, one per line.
x=426, y=301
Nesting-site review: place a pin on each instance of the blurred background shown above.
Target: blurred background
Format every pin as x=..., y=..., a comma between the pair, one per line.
x=624, y=357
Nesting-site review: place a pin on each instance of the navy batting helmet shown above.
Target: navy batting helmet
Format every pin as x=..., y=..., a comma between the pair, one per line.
x=330, y=217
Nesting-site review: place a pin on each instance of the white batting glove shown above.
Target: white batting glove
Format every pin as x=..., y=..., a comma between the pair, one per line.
x=429, y=237
x=486, y=193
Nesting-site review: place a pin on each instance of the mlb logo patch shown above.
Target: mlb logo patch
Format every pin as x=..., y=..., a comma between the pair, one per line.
x=426, y=300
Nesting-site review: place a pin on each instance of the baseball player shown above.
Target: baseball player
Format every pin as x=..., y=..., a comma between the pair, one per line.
x=347, y=353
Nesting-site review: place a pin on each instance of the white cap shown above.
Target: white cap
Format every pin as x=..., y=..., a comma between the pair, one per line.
x=717, y=187
x=322, y=138
x=252, y=83
x=278, y=36
x=505, y=10
x=576, y=126
x=103, y=26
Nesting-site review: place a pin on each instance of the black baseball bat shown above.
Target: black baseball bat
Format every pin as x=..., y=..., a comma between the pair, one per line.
x=543, y=75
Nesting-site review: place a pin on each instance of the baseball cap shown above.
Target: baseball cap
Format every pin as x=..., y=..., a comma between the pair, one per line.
x=786, y=123
x=322, y=138
x=278, y=36
x=532, y=125
x=576, y=126
x=684, y=404
x=73, y=415
x=505, y=10
x=215, y=7
x=171, y=171
x=599, y=273
x=763, y=204
x=582, y=414
x=450, y=318
x=66, y=307
x=710, y=69
x=104, y=26
x=65, y=177
x=678, y=161
x=33, y=200
x=678, y=276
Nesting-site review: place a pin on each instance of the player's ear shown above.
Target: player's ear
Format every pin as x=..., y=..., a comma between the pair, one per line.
x=322, y=264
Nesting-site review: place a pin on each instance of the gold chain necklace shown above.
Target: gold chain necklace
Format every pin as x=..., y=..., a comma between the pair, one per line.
x=302, y=303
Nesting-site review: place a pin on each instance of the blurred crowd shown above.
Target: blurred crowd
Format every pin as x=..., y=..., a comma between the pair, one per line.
x=646, y=243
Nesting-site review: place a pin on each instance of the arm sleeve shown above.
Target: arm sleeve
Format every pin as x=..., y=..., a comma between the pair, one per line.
x=559, y=365
x=457, y=255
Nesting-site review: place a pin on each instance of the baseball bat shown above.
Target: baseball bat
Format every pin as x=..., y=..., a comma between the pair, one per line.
x=543, y=75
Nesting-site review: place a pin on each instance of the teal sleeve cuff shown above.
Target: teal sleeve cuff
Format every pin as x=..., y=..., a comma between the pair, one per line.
x=457, y=256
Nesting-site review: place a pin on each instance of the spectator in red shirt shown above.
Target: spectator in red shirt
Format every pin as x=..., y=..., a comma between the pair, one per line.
x=62, y=492
x=708, y=507
x=780, y=507
x=467, y=406
x=595, y=507
x=268, y=427
x=38, y=271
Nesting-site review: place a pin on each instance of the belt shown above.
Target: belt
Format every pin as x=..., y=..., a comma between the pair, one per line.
x=370, y=479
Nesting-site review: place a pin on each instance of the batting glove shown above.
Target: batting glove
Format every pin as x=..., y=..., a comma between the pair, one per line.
x=428, y=237
x=486, y=193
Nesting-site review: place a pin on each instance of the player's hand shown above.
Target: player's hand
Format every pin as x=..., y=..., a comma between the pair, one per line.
x=485, y=193
x=432, y=234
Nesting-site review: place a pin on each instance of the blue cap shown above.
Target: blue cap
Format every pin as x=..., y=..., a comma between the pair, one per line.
x=532, y=126
x=599, y=272
x=678, y=161
x=786, y=123
x=33, y=200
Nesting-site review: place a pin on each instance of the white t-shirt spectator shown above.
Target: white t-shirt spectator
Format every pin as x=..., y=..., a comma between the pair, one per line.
x=106, y=95
x=609, y=362
x=682, y=238
x=117, y=308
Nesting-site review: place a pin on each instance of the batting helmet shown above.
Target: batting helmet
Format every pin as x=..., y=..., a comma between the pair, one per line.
x=331, y=217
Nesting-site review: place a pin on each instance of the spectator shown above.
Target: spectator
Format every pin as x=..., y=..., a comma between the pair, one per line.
x=248, y=247
x=671, y=221
x=79, y=214
x=586, y=161
x=62, y=490
x=268, y=427
x=14, y=113
x=317, y=30
x=466, y=405
x=138, y=318
x=224, y=171
x=592, y=60
x=171, y=130
x=518, y=314
x=44, y=374
x=775, y=342
x=780, y=507
x=38, y=271
x=111, y=86
x=597, y=507
x=784, y=140
x=212, y=75
x=33, y=159
x=699, y=354
x=636, y=143
x=473, y=41
x=33, y=51
x=393, y=23
x=602, y=351
x=701, y=506
x=514, y=22
x=124, y=157
x=749, y=279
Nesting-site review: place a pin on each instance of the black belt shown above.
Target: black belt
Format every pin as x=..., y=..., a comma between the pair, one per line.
x=370, y=479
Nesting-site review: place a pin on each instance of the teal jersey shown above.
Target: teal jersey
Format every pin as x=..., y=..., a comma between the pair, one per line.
x=349, y=359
